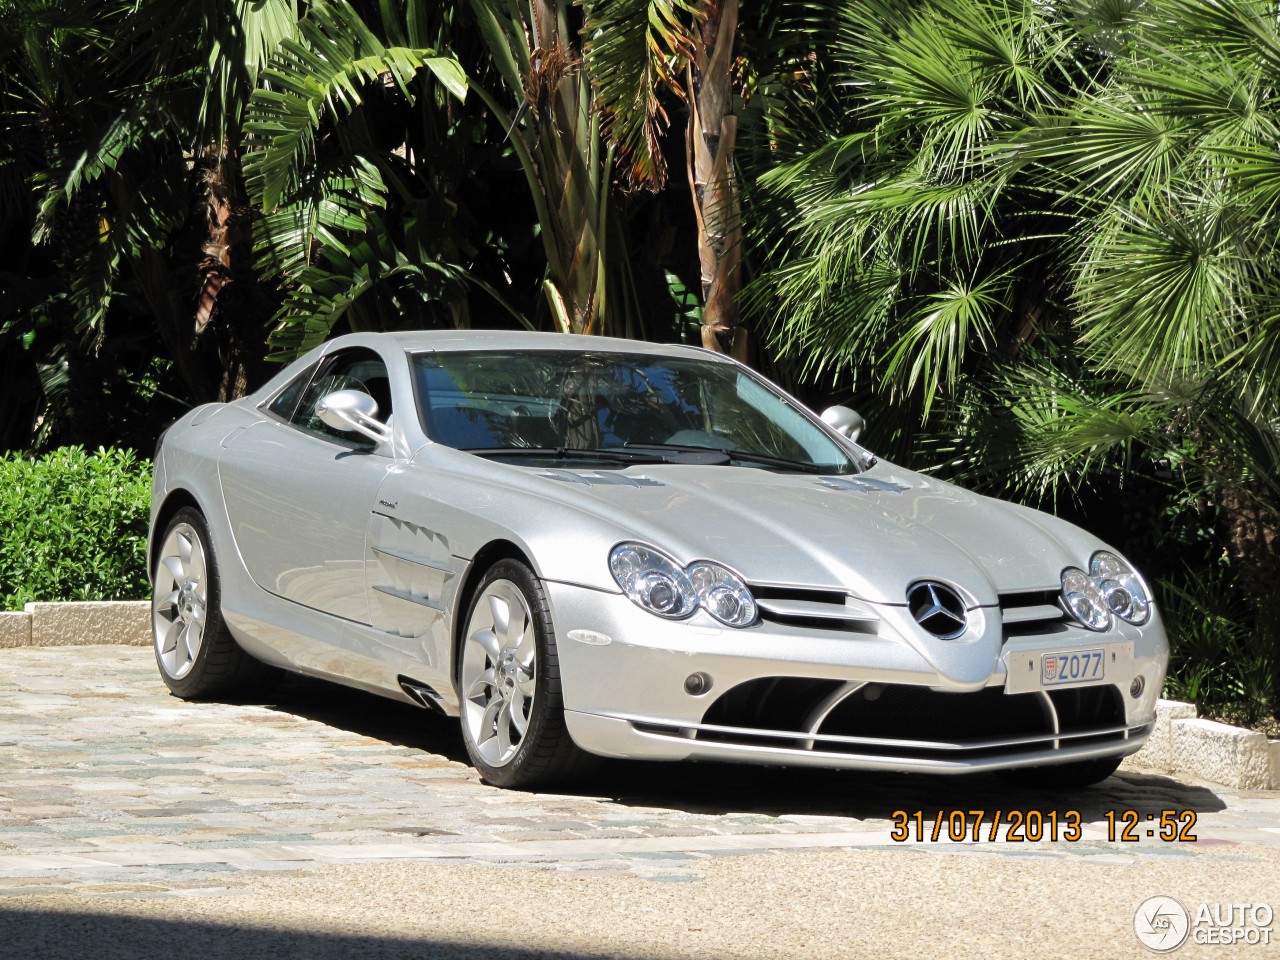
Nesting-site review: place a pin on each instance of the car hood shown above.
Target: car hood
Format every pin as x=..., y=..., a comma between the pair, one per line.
x=872, y=533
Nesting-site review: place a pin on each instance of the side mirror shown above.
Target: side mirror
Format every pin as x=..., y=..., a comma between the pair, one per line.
x=842, y=420
x=353, y=411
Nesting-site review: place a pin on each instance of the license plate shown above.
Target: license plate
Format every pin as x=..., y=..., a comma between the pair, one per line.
x=1072, y=667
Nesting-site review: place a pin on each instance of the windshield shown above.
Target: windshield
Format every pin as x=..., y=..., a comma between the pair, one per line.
x=544, y=403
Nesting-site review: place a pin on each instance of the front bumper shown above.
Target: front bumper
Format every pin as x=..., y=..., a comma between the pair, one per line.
x=806, y=695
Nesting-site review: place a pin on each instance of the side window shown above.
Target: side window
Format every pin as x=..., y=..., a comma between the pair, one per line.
x=355, y=369
x=286, y=402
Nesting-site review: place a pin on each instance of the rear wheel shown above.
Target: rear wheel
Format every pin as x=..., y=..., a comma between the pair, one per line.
x=197, y=656
x=512, y=710
x=1080, y=773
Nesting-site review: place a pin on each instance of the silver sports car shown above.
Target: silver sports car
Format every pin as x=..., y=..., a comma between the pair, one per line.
x=584, y=546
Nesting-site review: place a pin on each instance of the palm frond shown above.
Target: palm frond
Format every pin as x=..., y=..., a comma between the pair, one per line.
x=1109, y=145
x=1042, y=429
x=1245, y=30
x=633, y=48
x=327, y=69
x=368, y=282
x=1160, y=288
x=334, y=196
x=943, y=328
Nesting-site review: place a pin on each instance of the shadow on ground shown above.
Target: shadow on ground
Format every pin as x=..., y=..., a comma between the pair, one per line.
x=37, y=935
x=716, y=788
x=368, y=715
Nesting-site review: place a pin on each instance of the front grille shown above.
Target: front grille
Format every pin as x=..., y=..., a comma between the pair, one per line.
x=918, y=713
x=1031, y=612
x=814, y=609
x=1022, y=614
x=898, y=720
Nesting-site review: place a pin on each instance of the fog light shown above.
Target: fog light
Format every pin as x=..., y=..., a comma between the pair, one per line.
x=1135, y=689
x=697, y=683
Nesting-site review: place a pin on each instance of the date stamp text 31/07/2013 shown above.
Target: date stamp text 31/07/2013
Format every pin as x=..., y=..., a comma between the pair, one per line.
x=1033, y=826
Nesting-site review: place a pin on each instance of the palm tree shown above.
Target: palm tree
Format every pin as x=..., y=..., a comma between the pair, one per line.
x=95, y=179
x=341, y=137
x=1176, y=276
x=115, y=104
x=909, y=244
x=634, y=50
x=567, y=164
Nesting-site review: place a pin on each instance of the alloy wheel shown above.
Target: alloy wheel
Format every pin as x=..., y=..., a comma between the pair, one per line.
x=180, y=600
x=499, y=672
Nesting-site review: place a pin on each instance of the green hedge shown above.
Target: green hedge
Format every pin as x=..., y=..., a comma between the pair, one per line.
x=73, y=526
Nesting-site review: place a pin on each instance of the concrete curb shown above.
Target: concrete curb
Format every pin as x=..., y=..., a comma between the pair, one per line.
x=15, y=629
x=1181, y=744
x=78, y=624
x=1184, y=744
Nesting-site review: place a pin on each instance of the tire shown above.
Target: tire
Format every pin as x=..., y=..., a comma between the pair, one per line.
x=1081, y=773
x=509, y=685
x=195, y=652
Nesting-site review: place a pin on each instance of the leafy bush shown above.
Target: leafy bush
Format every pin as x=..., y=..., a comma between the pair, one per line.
x=73, y=526
x=1224, y=656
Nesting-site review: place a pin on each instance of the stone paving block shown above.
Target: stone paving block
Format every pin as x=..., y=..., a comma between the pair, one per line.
x=1224, y=754
x=1157, y=754
x=15, y=629
x=88, y=624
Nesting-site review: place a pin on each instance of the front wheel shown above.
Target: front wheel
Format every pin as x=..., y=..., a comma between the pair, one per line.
x=197, y=656
x=512, y=709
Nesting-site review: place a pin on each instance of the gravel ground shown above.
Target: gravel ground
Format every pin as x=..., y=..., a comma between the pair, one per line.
x=886, y=904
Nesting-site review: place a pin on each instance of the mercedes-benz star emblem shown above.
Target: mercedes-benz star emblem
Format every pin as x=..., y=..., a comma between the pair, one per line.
x=938, y=609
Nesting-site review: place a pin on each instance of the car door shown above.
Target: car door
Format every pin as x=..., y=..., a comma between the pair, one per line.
x=299, y=494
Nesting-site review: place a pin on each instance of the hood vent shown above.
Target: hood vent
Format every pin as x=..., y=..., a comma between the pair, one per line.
x=862, y=484
x=600, y=479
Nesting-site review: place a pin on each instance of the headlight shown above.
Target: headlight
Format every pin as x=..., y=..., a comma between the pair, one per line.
x=652, y=581
x=722, y=594
x=1084, y=600
x=1111, y=588
x=1122, y=588
x=656, y=583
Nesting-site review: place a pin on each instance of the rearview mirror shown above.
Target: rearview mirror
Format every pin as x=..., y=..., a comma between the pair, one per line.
x=353, y=411
x=844, y=421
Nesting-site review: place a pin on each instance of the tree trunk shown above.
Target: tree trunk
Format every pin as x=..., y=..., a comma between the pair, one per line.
x=573, y=170
x=711, y=136
x=233, y=310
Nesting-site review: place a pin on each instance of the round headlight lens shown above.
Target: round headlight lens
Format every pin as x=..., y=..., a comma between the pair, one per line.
x=722, y=594
x=1121, y=587
x=1084, y=599
x=652, y=581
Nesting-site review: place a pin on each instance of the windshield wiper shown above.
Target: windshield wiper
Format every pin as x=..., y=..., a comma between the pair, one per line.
x=567, y=453
x=744, y=455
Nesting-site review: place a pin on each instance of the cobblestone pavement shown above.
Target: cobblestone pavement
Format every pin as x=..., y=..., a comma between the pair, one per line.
x=111, y=789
